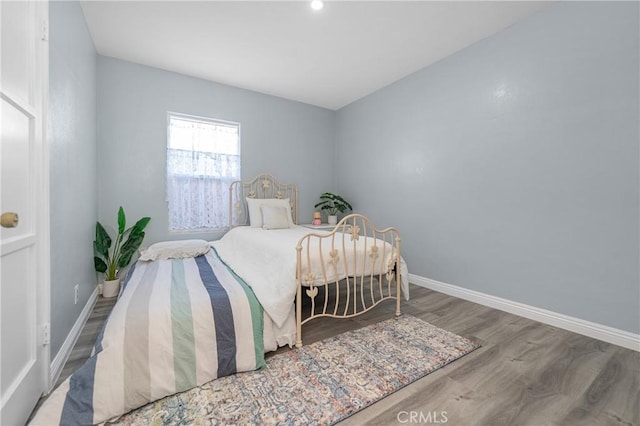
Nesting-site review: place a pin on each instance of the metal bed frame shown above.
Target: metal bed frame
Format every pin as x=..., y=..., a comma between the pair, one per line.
x=359, y=263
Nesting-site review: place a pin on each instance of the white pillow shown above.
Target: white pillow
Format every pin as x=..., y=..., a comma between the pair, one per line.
x=175, y=250
x=274, y=217
x=255, y=214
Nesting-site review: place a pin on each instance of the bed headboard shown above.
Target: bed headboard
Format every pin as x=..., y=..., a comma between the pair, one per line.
x=262, y=186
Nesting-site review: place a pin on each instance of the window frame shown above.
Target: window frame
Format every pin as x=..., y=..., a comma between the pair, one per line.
x=201, y=119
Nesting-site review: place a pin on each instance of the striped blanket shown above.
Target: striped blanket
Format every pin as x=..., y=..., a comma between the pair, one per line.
x=179, y=323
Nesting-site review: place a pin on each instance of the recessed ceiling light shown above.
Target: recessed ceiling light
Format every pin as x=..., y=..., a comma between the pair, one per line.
x=317, y=4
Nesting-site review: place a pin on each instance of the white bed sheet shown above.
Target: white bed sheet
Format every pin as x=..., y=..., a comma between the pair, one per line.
x=266, y=261
x=274, y=336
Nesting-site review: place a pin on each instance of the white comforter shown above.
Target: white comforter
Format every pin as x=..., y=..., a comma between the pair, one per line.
x=266, y=261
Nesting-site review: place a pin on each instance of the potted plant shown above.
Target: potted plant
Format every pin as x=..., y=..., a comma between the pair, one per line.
x=333, y=204
x=110, y=262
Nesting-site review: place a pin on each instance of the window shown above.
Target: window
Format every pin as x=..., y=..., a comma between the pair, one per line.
x=203, y=158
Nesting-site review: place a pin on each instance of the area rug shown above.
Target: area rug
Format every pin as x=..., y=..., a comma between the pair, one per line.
x=321, y=383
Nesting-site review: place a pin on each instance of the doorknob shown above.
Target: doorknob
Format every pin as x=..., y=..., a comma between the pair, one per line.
x=9, y=220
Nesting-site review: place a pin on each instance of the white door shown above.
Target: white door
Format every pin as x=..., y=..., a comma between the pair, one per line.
x=24, y=264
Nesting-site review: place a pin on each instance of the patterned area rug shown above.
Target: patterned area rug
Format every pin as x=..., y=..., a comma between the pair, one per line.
x=321, y=383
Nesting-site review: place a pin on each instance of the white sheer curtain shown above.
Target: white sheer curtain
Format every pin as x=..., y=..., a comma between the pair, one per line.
x=203, y=158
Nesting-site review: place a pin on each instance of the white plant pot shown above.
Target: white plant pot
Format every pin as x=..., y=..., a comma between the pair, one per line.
x=111, y=288
x=332, y=219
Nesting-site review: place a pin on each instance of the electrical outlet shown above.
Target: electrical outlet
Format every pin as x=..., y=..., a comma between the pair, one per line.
x=76, y=290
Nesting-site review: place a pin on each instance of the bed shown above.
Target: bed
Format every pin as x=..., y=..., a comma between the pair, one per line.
x=178, y=323
x=215, y=308
x=342, y=272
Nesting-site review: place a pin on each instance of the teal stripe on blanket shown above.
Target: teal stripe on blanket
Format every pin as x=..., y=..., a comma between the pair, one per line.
x=184, y=342
x=257, y=315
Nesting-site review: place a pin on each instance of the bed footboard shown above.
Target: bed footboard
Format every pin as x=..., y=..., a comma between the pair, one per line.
x=346, y=272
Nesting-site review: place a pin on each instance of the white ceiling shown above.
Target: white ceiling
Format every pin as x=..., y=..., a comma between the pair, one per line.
x=329, y=58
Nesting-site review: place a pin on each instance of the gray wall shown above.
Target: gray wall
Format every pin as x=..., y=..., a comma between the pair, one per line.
x=511, y=168
x=292, y=140
x=73, y=180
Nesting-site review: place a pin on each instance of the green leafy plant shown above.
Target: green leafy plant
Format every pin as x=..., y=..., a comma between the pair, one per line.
x=333, y=204
x=127, y=242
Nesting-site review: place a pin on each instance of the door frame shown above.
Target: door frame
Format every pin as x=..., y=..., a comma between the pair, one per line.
x=42, y=179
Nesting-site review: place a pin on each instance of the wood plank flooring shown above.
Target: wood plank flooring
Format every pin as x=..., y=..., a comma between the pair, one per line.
x=83, y=347
x=525, y=373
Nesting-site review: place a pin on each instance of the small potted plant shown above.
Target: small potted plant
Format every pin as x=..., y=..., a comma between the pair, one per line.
x=333, y=204
x=110, y=262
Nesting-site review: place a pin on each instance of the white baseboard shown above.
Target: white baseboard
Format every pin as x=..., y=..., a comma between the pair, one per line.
x=65, y=350
x=576, y=325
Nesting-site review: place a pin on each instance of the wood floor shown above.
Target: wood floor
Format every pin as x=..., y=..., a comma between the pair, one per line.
x=83, y=347
x=525, y=373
